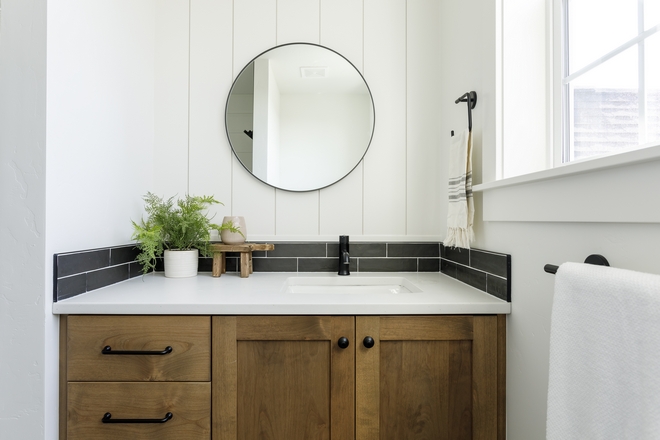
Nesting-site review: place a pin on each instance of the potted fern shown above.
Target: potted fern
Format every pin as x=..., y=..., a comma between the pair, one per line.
x=180, y=231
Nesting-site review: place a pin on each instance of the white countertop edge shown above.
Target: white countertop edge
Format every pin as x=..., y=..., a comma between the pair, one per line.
x=261, y=294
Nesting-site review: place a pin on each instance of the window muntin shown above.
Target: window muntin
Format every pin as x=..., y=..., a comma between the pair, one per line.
x=609, y=76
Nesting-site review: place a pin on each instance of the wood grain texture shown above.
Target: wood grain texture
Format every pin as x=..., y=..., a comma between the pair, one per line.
x=189, y=336
x=460, y=390
x=429, y=328
x=281, y=377
x=271, y=328
x=342, y=385
x=484, y=378
x=283, y=390
x=62, y=377
x=414, y=390
x=367, y=379
x=189, y=402
x=224, y=372
x=501, y=377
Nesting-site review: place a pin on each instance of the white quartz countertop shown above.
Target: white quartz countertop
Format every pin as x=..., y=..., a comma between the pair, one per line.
x=264, y=294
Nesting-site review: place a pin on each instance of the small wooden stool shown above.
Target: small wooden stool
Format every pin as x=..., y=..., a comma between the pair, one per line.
x=245, y=249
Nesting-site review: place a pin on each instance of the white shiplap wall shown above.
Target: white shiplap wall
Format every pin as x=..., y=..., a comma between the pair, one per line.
x=394, y=194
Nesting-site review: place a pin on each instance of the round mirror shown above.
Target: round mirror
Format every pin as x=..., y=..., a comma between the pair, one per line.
x=299, y=117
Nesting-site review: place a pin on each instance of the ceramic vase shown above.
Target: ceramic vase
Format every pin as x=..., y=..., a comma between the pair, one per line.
x=229, y=237
x=181, y=264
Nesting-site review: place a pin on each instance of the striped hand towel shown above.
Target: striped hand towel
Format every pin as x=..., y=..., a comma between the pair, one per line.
x=460, y=216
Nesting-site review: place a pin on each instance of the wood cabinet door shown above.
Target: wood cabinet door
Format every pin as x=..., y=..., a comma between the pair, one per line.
x=427, y=377
x=283, y=378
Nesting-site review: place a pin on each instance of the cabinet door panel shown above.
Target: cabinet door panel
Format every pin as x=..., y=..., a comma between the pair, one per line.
x=189, y=337
x=189, y=403
x=427, y=377
x=283, y=389
x=283, y=378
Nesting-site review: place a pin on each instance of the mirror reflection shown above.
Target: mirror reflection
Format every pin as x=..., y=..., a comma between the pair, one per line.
x=300, y=117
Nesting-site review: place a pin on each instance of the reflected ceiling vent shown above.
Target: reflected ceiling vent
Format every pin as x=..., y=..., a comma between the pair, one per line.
x=314, y=72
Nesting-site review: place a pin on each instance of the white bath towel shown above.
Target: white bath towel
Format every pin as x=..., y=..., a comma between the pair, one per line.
x=460, y=215
x=604, y=380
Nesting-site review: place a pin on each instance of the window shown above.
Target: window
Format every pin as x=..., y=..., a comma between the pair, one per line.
x=610, y=86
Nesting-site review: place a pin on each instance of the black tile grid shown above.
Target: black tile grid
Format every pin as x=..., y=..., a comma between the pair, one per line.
x=80, y=272
x=365, y=257
x=484, y=270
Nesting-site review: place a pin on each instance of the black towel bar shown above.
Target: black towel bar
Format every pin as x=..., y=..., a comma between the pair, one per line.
x=596, y=259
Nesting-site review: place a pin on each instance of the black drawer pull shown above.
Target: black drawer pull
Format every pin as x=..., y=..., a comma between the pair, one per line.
x=107, y=418
x=108, y=350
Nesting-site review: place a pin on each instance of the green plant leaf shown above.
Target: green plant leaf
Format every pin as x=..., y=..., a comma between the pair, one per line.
x=182, y=225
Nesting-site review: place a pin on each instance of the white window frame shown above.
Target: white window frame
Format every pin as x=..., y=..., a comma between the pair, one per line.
x=561, y=78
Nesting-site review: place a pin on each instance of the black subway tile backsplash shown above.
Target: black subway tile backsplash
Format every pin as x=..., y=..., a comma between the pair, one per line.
x=105, y=277
x=496, y=264
x=387, y=265
x=413, y=250
x=317, y=264
x=485, y=270
x=498, y=287
x=80, y=272
x=457, y=255
x=428, y=265
x=71, y=264
x=124, y=254
x=275, y=264
x=298, y=250
x=71, y=286
x=471, y=276
x=358, y=250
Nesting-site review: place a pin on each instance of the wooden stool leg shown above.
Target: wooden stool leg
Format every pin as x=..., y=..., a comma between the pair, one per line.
x=223, y=263
x=217, y=263
x=250, y=259
x=245, y=265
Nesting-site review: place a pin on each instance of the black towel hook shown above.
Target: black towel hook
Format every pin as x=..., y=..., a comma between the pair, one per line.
x=471, y=99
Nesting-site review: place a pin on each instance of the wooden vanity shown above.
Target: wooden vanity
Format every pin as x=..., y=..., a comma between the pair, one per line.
x=282, y=377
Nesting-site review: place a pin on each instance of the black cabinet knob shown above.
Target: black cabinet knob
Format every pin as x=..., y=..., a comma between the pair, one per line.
x=342, y=342
x=368, y=342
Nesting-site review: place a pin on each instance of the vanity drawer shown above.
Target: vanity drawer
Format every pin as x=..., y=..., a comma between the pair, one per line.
x=138, y=339
x=188, y=402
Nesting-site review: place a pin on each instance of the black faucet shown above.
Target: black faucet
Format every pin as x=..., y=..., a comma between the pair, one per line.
x=344, y=258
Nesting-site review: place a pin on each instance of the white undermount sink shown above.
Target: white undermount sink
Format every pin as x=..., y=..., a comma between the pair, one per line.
x=349, y=285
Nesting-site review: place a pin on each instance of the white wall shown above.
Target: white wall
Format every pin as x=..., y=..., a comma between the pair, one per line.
x=23, y=285
x=396, y=192
x=102, y=107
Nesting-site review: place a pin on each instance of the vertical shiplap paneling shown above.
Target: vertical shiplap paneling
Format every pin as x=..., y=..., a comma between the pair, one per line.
x=342, y=26
x=297, y=213
x=171, y=98
x=210, y=80
x=385, y=71
x=297, y=21
x=254, y=31
x=426, y=186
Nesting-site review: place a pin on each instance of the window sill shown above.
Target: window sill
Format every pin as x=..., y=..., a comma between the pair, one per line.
x=578, y=167
x=618, y=189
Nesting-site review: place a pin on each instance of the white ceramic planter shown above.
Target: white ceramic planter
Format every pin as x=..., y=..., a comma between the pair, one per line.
x=229, y=237
x=181, y=264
